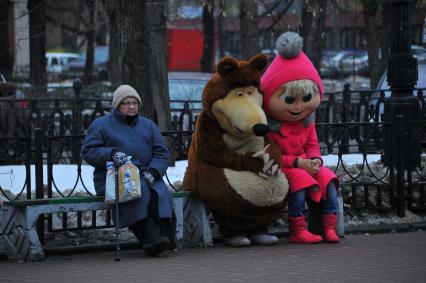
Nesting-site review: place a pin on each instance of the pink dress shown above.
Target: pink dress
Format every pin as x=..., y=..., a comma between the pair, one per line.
x=296, y=140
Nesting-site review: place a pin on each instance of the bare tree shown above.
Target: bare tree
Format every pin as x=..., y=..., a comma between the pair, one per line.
x=90, y=49
x=220, y=20
x=370, y=19
x=318, y=37
x=248, y=29
x=117, y=41
x=65, y=16
x=307, y=17
x=140, y=44
x=384, y=34
x=37, y=35
x=208, y=32
x=313, y=19
x=80, y=19
x=6, y=54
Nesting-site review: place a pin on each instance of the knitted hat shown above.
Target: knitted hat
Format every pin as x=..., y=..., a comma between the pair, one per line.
x=122, y=92
x=291, y=64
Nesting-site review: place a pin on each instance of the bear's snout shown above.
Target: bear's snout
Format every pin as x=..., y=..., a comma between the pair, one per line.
x=261, y=129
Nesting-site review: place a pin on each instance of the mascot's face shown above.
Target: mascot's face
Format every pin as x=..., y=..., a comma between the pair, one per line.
x=233, y=99
x=239, y=111
x=295, y=101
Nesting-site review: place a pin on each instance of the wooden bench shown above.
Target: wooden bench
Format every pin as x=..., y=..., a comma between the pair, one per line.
x=18, y=222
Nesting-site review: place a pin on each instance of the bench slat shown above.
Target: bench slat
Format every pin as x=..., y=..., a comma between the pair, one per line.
x=70, y=200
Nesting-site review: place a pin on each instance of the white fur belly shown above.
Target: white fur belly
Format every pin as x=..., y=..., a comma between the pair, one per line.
x=257, y=190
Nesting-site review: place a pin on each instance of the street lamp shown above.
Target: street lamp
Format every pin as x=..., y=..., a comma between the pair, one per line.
x=402, y=147
x=402, y=77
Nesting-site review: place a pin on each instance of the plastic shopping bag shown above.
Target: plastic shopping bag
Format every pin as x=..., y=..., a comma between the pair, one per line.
x=129, y=186
x=110, y=183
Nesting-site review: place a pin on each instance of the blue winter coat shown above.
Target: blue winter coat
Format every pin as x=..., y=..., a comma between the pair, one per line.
x=143, y=141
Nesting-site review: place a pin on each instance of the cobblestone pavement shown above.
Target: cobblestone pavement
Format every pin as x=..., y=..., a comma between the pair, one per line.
x=391, y=257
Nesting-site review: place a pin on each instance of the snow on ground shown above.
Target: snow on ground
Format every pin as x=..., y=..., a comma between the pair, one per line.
x=65, y=176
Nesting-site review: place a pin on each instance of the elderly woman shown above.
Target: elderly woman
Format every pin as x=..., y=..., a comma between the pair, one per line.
x=124, y=133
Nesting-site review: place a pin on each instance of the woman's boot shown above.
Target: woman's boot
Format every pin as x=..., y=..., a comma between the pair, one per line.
x=298, y=232
x=329, y=228
x=153, y=242
x=168, y=229
x=138, y=230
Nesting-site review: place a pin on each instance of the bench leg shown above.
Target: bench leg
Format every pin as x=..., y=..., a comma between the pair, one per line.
x=314, y=217
x=196, y=225
x=178, y=207
x=340, y=227
x=20, y=237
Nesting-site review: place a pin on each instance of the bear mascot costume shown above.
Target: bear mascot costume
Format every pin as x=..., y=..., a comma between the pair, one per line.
x=231, y=169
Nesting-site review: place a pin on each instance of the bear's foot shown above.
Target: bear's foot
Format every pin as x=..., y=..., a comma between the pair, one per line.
x=238, y=241
x=263, y=240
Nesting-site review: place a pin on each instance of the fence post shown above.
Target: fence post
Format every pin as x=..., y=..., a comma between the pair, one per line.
x=422, y=103
x=39, y=189
x=77, y=106
x=346, y=115
x=401, y=133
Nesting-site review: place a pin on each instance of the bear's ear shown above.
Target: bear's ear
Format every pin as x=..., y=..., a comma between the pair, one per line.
x=259, y=61
x=227, y=65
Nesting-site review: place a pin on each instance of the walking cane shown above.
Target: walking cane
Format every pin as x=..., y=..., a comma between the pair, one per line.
x=117, y=230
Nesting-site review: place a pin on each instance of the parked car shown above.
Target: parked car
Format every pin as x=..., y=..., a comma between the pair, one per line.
x=356, y=63
x=100, y=64
x=6, y=88
x=419, y=52
x=338, y=63
x=383, y=85
x=271, y=53
x=57, y=61
x=326, y=60
x=345, y=62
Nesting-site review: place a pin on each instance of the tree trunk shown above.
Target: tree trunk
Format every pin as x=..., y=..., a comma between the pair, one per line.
x=384, y=35
x=154, y=53
x=318, y=38
x=208, y=33
x=220, y=30
x=38, y=77
x=115, y=41
x=334, y=17
x=140, y=28
x=248, y=29
x=90, y=49
x=370, y=10
x=6, y=54
x=306, y=23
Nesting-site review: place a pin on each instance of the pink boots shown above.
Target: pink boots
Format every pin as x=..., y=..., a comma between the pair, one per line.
x=300, y=235
x=329, y=228
x=298, y=232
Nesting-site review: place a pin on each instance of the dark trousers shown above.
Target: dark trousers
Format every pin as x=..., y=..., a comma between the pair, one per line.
x=328, y=205
x=167, y=225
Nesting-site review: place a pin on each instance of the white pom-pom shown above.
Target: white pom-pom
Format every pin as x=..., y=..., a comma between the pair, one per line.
x=289, y=44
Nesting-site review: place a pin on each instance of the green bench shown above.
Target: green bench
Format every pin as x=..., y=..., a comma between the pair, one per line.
x=18, y=221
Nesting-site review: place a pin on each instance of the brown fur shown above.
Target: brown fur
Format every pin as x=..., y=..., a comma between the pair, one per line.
x=209, y=155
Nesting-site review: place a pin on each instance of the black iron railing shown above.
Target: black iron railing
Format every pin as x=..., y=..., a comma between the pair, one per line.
x=356, y=178
x=346, y=124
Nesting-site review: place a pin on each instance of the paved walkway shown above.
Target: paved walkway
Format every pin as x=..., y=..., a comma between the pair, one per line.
x=397, y=257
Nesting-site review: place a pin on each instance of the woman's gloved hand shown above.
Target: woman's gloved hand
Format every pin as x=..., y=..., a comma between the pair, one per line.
x=119, y=158
x=150, y=176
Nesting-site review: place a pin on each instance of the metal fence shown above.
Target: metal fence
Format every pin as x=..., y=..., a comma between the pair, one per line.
x=346, y=124
x=66, y=111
